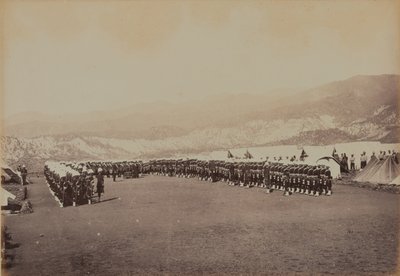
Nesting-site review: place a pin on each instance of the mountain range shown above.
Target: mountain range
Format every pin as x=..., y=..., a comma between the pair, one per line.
x=360, y=108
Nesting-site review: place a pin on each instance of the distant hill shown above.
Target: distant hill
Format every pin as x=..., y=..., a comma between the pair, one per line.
x=360, y=108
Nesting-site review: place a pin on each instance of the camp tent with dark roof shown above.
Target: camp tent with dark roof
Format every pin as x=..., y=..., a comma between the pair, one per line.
x=303, y=154
x=9, y=175
x=248, y=155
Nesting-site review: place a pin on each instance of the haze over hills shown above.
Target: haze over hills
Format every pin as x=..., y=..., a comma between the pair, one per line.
x=146, y=120
x=358, y=108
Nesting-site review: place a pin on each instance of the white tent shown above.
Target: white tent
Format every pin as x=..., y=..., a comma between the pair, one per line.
x=5, y=195
x=333, y=166
x=395, y=181
x=383, y=171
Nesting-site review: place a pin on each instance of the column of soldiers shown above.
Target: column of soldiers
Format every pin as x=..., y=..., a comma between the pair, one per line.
x=73, y=183
x=70, y=186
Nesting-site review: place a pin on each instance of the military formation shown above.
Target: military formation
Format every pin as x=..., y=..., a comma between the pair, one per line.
x=74, y=183
x=68, y=185
x=289, y=178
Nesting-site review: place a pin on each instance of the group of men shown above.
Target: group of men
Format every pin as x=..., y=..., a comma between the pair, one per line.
x=126, y=169
x=290, y=178
x=73, y=186
x=344, y=160
x=73, y=183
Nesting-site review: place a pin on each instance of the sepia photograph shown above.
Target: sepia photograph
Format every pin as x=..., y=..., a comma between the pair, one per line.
x=200, y=137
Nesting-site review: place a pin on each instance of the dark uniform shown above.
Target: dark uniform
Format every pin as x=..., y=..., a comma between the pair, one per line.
x=100, y=185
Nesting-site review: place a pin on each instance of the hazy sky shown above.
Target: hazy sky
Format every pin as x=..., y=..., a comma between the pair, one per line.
x=88, y=55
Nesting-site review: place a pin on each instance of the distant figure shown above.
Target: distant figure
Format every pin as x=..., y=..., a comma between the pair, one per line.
x=24, y=173
x=100, y=184
x=114, y=172
x=345, y=162
x=363, y=160
x=380, y=156
x=352, y=163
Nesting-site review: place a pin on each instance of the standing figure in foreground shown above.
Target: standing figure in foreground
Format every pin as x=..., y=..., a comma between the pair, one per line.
x=352, y=163
x=100, y=183
x=24, y=173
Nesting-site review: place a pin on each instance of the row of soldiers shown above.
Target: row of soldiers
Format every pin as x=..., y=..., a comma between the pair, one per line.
x=74, y=183
x=289, y=178
x=69, y=186
x=126, y=169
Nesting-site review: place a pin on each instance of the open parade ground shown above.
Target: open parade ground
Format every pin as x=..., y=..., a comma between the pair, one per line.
x=163, y=225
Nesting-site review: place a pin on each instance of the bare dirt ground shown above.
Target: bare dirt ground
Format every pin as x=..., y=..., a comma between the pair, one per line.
x=161, y=225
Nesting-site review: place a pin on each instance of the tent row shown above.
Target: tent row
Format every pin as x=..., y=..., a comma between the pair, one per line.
x=385, y=171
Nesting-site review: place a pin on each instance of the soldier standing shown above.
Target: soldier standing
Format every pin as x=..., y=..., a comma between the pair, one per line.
x=100, y=184
x=352, y=162
x=24, y=173
x=286, y=182
x=114, y=171
x=267, y=180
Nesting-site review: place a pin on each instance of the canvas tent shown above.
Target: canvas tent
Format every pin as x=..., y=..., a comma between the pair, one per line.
x=8, y=175
x=5, y=195
x=379, y=171
x=303, y=154
x=396, y=181
x=333, y=165
x=248, y=155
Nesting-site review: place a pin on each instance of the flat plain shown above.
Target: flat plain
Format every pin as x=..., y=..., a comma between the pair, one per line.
x=168, y=225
